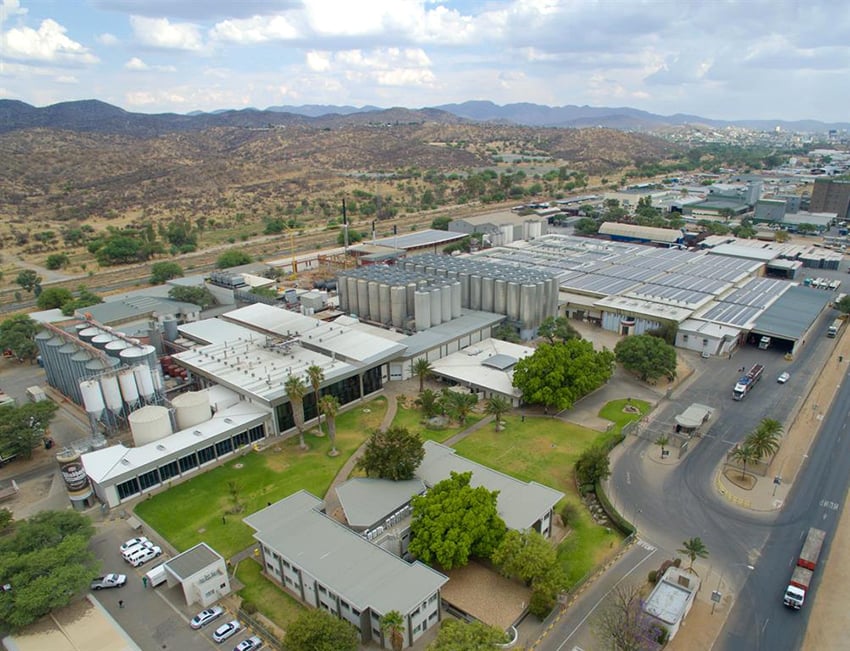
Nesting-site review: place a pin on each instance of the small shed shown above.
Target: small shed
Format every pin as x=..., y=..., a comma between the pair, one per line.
x=201, y=573
x=690, y=420
x=672, y=598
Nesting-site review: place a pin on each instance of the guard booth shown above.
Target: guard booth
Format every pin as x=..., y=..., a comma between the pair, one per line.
x=689, y=424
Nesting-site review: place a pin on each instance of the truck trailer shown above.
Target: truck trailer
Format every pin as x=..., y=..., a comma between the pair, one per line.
x=834, y=328
x=746, y=382
x=801, y=579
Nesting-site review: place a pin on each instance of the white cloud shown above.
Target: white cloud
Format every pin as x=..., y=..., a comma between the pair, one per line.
x=66, y=79
x=47, y=44
x=11, y=8
x=137, y=65
x=161, y=33
x=107, y=39
x=319, y=61
x=257, y=29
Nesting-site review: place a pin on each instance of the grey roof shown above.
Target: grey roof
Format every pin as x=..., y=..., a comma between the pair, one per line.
x=469, y=321
x=218, y=331
x=743, y=251
x=359, y=571
x=520, y=504
x=418, y=239
x=366, y=501
x=135, y=307
x=651, y=233
x=668, y=601
x=694, y=416
x=758, y=292
x=793, y=313
x=500, y=361
x=730, y=313
x=192, y=561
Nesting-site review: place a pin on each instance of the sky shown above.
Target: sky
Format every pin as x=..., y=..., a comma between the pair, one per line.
x=722, y=59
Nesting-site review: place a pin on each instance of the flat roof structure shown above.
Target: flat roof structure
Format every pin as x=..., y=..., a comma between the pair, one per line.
x=519, y=504
x=419, y=239
x=749, y=252
x=135, y=308
x=365, y=501
x=648, y=233
x=365, y=574
x=694, y=416
x=469, y=321
x=486, y=595
x=218, y=331
x=474, y=366
x=192, y=561
x=669, y=600
x=793, y=313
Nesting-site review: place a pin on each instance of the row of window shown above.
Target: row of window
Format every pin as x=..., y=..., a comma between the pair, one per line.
x=184, y=464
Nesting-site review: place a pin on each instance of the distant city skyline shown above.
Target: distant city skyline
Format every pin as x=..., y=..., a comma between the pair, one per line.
x=754, y=59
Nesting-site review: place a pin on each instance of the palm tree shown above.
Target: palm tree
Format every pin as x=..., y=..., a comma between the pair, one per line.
x=662, y=441
x=497, y=406
x=745, y=454
x=421, y=368
x=296, y=390
x=392, y=625
x=429, y=402
x=329, y=406
x=764, y=440
x=316, y=376
x=693, y=549
x=460, y=404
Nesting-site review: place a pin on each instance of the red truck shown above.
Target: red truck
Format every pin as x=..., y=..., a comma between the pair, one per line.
x=746, y=382
x=795, y=593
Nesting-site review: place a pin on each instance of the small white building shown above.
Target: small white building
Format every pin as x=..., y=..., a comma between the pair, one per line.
x=201, y=573
x=672, y=597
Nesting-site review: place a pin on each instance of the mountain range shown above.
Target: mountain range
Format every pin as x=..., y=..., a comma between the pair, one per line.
x=97, y=116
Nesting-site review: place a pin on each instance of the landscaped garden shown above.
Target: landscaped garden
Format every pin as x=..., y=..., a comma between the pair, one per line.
x=412, y=418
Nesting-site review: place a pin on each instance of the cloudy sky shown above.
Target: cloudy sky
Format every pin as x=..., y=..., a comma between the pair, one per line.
x=728, y=59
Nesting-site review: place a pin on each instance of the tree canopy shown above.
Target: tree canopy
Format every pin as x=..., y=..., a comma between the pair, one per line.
x=47, y=562
x=317, y=630
x=843, y=305
x=234, y=258
x=200, y=296
x=29, y=280
x=53, y=297
x=454, y=521
x=163, y=271
x=557, y=375
x=555, y=329
x=593, y=465
x=84, y=298
x=457, y=635
x=393, y=454
x=23, y=427
x=647, y=356
x=16, y=334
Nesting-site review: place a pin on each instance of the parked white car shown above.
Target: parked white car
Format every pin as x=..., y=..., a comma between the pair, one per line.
x=227, y=630
x=206, y=616
x=133, y=542
x=783, y=377
x=144, y=555
x=251, y=644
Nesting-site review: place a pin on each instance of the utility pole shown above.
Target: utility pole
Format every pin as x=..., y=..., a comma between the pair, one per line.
x=345, y=227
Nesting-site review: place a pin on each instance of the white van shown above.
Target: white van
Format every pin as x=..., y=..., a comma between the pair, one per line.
x=156, y=576
x=143, y=555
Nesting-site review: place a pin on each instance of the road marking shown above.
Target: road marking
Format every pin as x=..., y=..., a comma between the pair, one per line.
x=765, y=625
x=646, y=545
x=601, y=599
x=628, y=477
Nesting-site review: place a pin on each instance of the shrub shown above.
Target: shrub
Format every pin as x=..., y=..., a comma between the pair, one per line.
x=249, y=607
x=569, y=513
x=653, y=576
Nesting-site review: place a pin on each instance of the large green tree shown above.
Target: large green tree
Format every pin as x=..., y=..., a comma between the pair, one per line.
x=29, y=280
x=557, y=375
x=163, y=271
x=17, y=334
x=200, y=296
x=233, y=258
x=53, y=297
x=458, y=635
x=317, y=630
x=764, y=439
x=454, y=521
x=459, y=405
x=84, y=298
x=593, y=465
x=393, y=454
x=296, y=390
x=23, y=427
x=647, y=356
x=557, y=329
x=47, y=562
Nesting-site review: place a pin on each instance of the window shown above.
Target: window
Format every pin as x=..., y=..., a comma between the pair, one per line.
x=684, y=337
x=240, y=439
x=148, y=479
x=355, y=612
x=256, y=433
x=128, y=488
x=168, y=471
x=223, y=447
x=206, y=455
x=188, y=462
x=322, y=589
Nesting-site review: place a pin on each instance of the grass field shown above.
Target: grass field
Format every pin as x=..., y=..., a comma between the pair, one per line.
x=545, y=450
x=199, y=509
x=412, y=419
x=267, y=596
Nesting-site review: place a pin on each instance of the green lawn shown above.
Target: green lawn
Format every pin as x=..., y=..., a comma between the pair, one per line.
x=269, y=598
x=198, y=509
x=412, y=419
x=545, y=450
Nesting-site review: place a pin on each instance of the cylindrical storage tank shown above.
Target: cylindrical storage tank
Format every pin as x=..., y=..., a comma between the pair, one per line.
x=111, y=393
x=78, y=369
x=456, y=300
x=487, y=294
x=65, y=375
x=513, y=300
x=398, y=306
x=169, y=327
x=553, y=297
x=500, y=296
x=409, y=297
x=95, y=367
x=374, y=301
x=474, y=292
x=351, y=284
x=422, y=312
x=144, y=380
x=384, y=297
x=446, y=300
x=80, y=327
x=114, y=347
x=100, y=341
x=363, y=298
x=342, y=293
x=87, y=334
x=50, y=357
x=127, y=384
x=92, y=398
x=76, y=480
x=139, y=354
x=191, y=408
x=464, y=288
x=149, y=424
x=436, y=307
x=526, y=306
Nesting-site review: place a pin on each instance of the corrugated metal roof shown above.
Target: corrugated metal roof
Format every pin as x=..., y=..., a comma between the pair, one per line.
x=360, y=572
x=193, y=560
x=650, y=233
x=367, y=501
x=793, y=313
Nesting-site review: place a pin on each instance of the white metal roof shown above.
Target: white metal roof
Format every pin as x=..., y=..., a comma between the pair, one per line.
x=519, y=504
x=668, y=601
x=366, y=500
x=468, y=366
x=217, y=331
x=362, y=573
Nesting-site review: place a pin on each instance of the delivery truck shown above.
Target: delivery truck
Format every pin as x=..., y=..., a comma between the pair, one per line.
x=746, y=382
x=801, y=579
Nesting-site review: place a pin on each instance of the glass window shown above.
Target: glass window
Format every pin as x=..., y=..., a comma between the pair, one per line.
x=168, y=471
x=128, y=488
x=223, y=447
x=188, y=462
x=240, y=440
x=283, y=413
x=148, y=479
x=256, y=433
x=205, y=455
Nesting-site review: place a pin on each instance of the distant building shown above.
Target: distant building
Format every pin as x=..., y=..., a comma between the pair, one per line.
x=830, y=195
x=503, y=227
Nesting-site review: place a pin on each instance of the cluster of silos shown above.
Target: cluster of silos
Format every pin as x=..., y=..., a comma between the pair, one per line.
x=404, y=299
x=526, y=296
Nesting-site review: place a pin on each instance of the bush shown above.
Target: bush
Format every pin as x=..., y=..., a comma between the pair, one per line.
x=249, y=607
x=663, y=635
x=653, y=576
x=569, y=513
x=541, y=604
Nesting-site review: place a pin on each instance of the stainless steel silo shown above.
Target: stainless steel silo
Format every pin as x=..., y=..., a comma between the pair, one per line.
x=474, y=291
x=342, y=293
x=464, y=288
x=409, y=296
x=513, y=300
x=50, y=358
x=351, y=288
x=66, y=373
x=422, y=312
x=398, y=305
x=500, y=296
x=436, y=307
x=456, y=300
x=384, y=298
x=487, y=294
x=446, y=302
x=138, y=355
x=363, y=298
x=374, y=301
x=526, y=305
x=78, y=365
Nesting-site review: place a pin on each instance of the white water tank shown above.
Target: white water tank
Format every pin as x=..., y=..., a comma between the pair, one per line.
x=144, y=380
x=92, y=397
x=111, y=393
x=127, y=382
x=150, y=423
x=191, y=408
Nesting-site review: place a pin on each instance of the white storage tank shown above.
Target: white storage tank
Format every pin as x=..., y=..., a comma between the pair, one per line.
x=191, y=408
x=150, y=423
x=144, y=380
x=114, y=347
x=111, y=393
x=127, y=382
x=144, y=354
x=100, y=341
x=92, y=398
